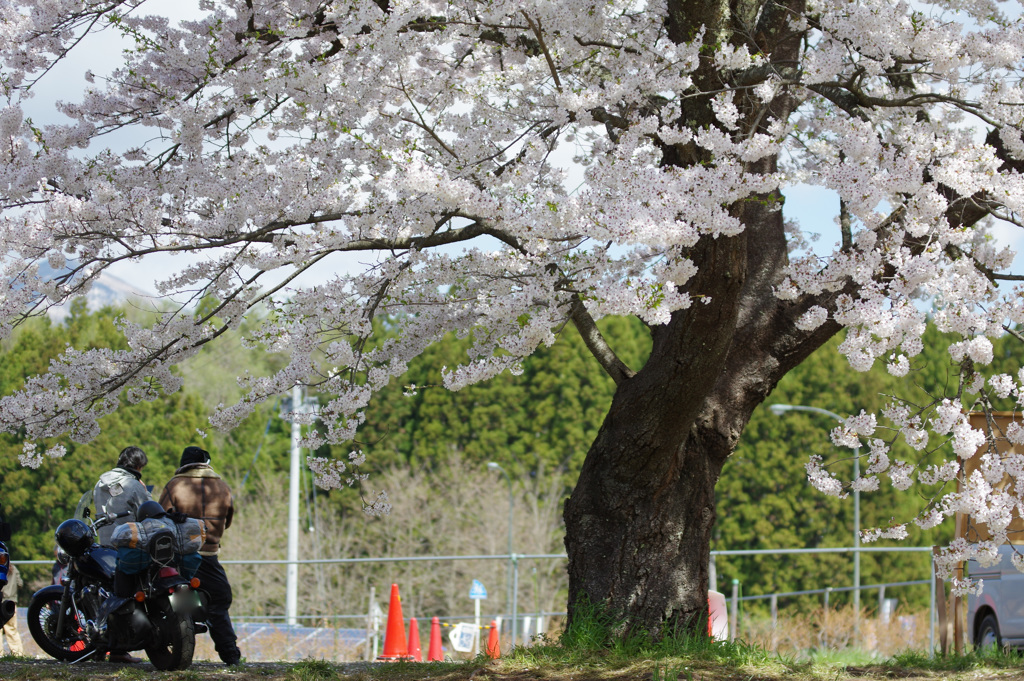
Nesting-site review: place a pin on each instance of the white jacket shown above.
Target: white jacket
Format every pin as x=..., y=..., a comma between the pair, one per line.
x=118, y=491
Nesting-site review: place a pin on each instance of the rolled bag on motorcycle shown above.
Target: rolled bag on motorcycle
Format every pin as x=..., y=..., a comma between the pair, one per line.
x=133, y=542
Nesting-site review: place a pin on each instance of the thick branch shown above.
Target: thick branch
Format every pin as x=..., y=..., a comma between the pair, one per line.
x=597, y=344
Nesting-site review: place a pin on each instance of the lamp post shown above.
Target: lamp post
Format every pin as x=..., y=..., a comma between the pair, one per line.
x=495, y=466
x=779, y=410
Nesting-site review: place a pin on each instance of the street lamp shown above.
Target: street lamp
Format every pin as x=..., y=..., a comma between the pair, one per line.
x=495, y=466
x=779, y=410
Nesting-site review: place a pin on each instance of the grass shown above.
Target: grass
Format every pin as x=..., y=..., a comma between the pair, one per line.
x=187, y=675
x=313, y=670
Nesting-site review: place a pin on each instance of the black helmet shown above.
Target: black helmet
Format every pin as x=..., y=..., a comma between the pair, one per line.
x=74, y=536
x=150, y=509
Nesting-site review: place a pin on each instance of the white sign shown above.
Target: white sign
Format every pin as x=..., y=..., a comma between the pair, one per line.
x=463, y=636
x=477, y=591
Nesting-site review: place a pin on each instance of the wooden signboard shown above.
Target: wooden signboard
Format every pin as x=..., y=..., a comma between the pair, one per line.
x=972, y=531
x=976, y=531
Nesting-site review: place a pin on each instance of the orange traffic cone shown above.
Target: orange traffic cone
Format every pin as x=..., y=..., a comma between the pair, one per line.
x=414, y=641
x=395, y=647
x=434, y=652
x=493, y=648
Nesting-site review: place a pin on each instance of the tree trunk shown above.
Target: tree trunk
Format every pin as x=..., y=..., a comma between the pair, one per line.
x=639, y=522
x=639, y=529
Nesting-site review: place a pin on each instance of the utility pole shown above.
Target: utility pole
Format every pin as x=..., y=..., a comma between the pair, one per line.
x=292, y=591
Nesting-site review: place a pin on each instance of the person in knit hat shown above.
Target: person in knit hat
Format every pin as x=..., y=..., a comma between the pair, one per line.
x=197, y=491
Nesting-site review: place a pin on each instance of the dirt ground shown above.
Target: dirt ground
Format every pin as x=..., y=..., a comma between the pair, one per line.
x=22, y=669
x=46, y=670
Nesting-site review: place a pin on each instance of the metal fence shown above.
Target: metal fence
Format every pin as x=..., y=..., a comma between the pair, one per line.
x=366, y=636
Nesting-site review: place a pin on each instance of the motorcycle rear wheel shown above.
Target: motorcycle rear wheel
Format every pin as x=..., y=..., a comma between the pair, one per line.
x=71, y=644
x=176, y=643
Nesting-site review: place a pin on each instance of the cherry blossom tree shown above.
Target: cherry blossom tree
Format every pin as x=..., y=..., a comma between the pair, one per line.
x=506, y=168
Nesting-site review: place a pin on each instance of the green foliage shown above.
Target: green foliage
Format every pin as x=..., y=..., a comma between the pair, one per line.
x=537, y=425
x=543, y=419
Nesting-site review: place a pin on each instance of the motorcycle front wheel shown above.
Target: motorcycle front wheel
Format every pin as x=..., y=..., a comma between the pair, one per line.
x=175, y=642
x=73, y=643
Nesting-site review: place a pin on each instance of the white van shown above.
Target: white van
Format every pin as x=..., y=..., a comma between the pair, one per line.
x=996, y=616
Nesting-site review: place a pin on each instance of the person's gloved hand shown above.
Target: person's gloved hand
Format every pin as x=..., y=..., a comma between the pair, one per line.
x=177, y=516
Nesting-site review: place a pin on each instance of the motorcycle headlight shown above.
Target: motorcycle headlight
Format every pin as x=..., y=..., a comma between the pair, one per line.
x=62, y=556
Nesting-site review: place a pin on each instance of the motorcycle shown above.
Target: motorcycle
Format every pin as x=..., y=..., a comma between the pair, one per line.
x=81, y=617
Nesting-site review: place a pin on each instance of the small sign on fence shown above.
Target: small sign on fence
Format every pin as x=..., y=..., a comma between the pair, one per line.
x=463, y=637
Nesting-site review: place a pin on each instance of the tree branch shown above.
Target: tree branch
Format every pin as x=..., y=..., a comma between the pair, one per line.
x=597, y=344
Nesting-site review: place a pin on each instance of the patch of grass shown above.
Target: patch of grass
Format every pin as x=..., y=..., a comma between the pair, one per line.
x=840, y=658
x=596, y=637
x=72, y=674
x=186, y=675
x=24, y=674
x=671, y=673
x=313, y=670
x=130, y=674
x=991, y=658
x=416, y=671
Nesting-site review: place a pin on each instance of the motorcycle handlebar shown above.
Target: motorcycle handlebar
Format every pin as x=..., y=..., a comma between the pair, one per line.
x=109, y=518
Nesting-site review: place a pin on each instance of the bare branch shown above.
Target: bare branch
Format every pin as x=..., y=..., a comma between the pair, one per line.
x=535, y=27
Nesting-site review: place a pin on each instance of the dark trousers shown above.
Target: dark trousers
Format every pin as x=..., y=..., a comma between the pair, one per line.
x=215, y=583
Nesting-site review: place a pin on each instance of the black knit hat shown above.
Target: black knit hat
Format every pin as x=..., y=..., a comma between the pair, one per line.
x=194, y=455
